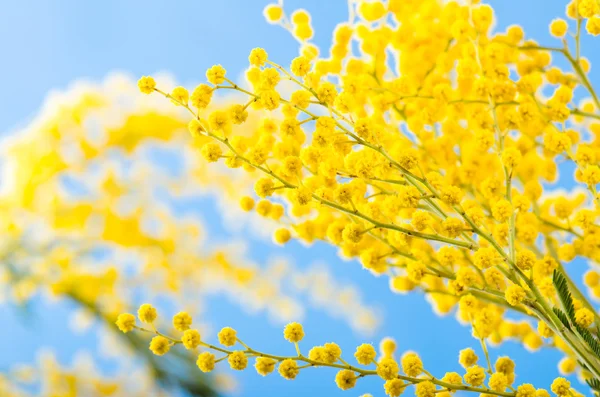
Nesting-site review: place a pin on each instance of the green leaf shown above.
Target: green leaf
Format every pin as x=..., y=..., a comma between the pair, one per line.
x=594, y=384
x=562, y=288
x=562, y=317
x=589, y=339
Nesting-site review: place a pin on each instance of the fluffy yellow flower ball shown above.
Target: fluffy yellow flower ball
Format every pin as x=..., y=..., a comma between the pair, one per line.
x=125, y=322
x=258, y=56
x=515, y=295
x=160, y=345
x=561, y=387
x=247, y=203
x=288, y=369
x=559, y=28
x=216, y=74
x=238, y=360
x=475, y=376
x=388, y=368
x=146, y=84
x=293, y=332
x=191, y=339
x=412, y=364
x=147, y=313
x=206, y=362
x=365, y=354
x=282, y=235
x=264, y=365
x=345, y=379
x=182, y=321
x=273, y=13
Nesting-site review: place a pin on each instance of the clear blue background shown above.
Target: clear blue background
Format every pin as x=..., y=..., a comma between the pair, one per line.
x=47, y=44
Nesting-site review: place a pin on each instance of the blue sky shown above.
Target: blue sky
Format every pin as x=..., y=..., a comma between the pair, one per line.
x=48, y=45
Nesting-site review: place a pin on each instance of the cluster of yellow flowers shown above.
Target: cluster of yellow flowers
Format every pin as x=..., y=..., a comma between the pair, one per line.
x=398, y=374
x=423, y=145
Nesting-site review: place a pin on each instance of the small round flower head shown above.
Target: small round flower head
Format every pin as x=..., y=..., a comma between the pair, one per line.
x=475, y=376
x=273, y=13
x=425, y=389
x=387, y=347
x=182, y=321
x=345, y=379
x=270, y=99
x=511, y=157
x=452, y=227
x=258, y=56
x=453, y=378
x=206, y=361
x=316, y=353
x=195, y=128
x=331, y=353
x=238, y=114
x=264, y=187
x=247, y=203
x=587, y=8
x=365, y=354
x=412, y=364
x=591, y=175
x=566, y=252
x=567, y=366
x=561, y=387
x=288, y=369
x=303, y=31
x=592, y=26
x=146, y=84
x=394, y=387
x=147, y=313
x=300, y=16
x=300, y=66
x=559, y=27
x=269, y=78
x=293, y=332
x=353, y=233
x=219, y=120
x=159, y=345
x=420, y=220
x=211, y=152
x=125, y=322
x=302, y=195
x=301, y=98
x=372, y=11
x=201, y=96
x=388, y=368
x=264, y=207
x=238, y=360
x=515, y=295
x=216, y=74
x=327, y=93
x=282, y=236
x=264, y=365
x=227, y=336
x=180, y=96
x=525, y=259
x=542, y=393
x=467, y=357
x=191, y=339
x=526, y=390
x=498, y=381
x=584, y=317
